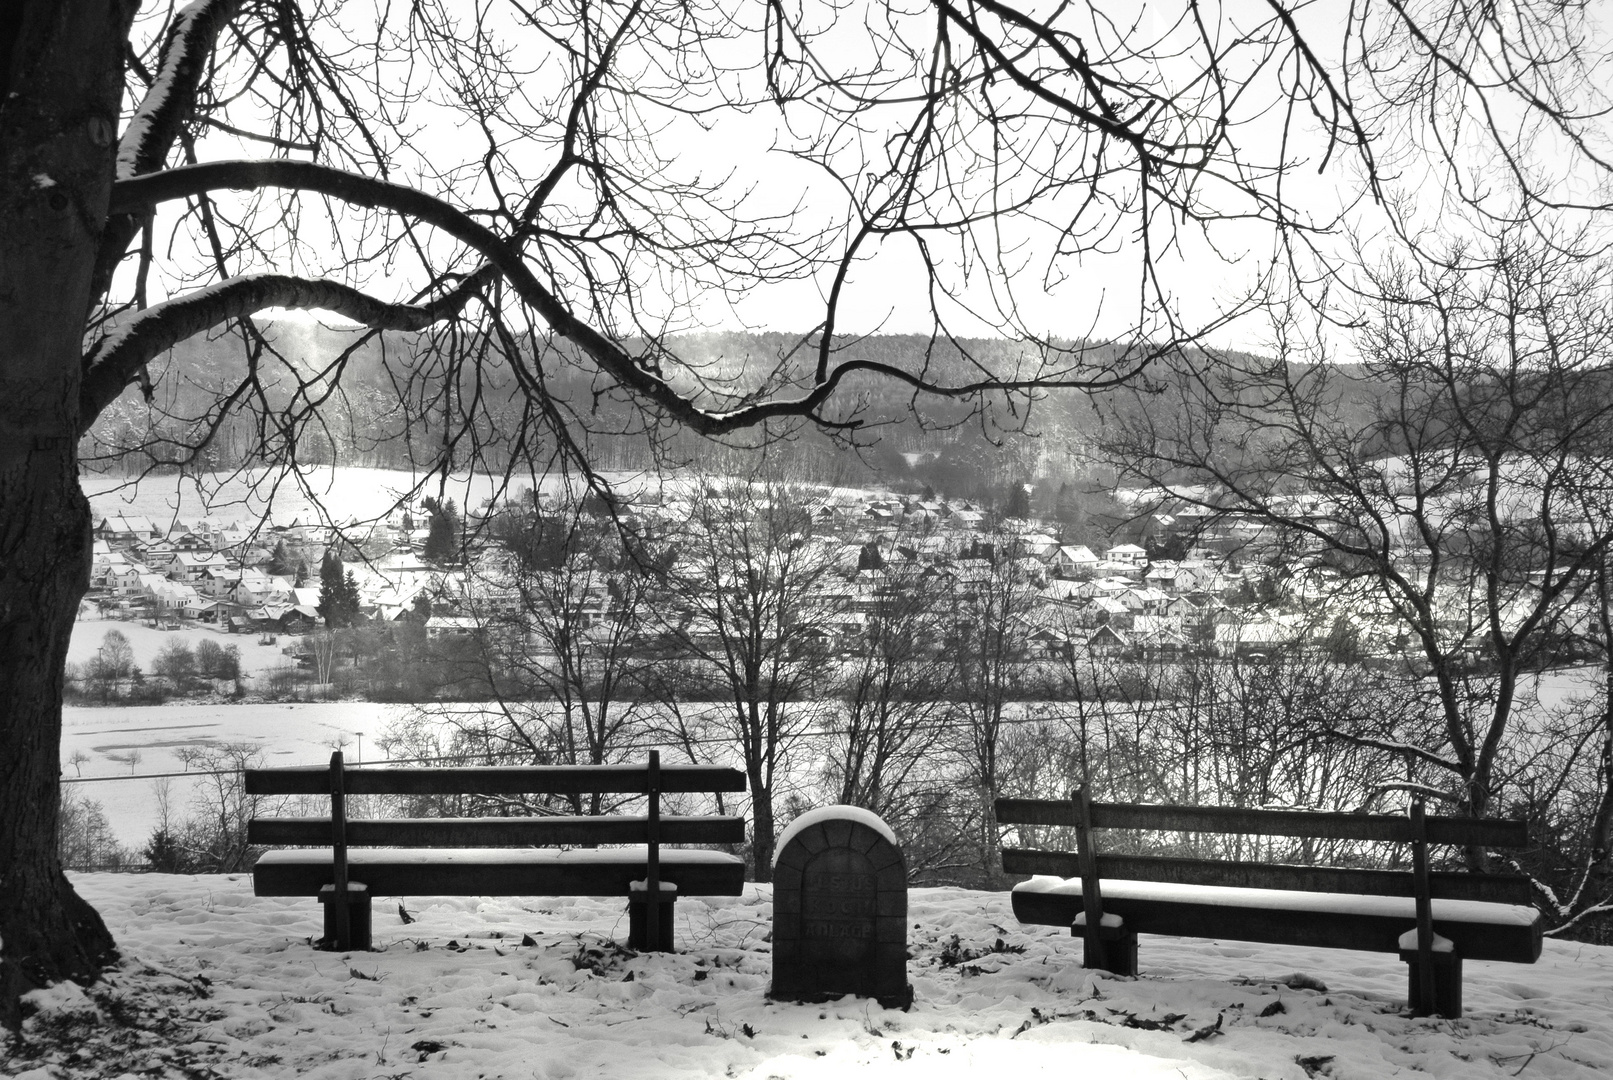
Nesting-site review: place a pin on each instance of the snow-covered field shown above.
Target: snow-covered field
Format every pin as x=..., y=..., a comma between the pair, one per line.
x=289, y=734
x=215, y=982
x=344, y=494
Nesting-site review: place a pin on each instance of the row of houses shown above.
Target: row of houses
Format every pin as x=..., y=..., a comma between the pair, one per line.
x=208, y=571
x=204, y=571
x=240, y=597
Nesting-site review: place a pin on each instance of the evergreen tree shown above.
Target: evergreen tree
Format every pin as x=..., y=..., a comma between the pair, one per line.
x=338, y=593
x=351, y=600
x=280, y=560
x=1019, y=501
x=1067, y=506
x=442, y=539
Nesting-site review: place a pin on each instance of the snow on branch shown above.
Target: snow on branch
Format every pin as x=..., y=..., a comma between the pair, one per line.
x=1397, y=747
x=155, y=124
x=1427, y=791
x=113, y=362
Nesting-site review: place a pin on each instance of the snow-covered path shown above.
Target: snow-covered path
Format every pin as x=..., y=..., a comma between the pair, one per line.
x=217, y=982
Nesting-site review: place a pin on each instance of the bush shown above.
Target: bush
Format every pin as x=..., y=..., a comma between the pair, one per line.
x=217, y=661
x=176, y=663
x=113, y=662
x=284, y=682
x=164, y=853
x=208, y=657
x=211, y=839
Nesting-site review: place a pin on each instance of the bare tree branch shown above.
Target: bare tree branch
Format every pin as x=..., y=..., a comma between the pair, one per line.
x=116, y=358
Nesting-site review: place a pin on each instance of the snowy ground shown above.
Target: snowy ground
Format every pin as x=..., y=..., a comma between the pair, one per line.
x=216, y=982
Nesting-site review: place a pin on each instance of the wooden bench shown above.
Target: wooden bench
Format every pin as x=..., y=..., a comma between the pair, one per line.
x=1431, y=919
x=497, y=856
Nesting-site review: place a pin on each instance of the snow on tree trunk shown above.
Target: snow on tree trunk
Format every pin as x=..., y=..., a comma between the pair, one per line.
x=59, y=91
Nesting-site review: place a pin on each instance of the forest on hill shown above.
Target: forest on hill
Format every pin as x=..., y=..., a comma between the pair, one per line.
x=966, y=449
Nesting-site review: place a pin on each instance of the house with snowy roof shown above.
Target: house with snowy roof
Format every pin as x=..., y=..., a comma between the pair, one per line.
x=124, y=529
x=1172, y=577
x=1039, y=546
x=1129, y=554
x=1108, y=640
x=965, y=519
x=194, y=566
x=256, y=589
x=1074, y=560
x=125, y=579
x=1156, y=634
x=166, y=594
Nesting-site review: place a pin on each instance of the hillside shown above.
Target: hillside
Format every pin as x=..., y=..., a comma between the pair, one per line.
x=955, y=447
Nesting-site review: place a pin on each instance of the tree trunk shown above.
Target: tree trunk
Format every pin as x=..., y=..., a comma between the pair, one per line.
x=1600, y=842
x=60, y=83
x=991, y=856
x=47, y=933
x=762, y=826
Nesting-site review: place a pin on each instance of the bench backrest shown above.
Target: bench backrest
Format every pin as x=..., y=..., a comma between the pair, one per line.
x=649, y=779
x=1320, y=824
x=1314, y=824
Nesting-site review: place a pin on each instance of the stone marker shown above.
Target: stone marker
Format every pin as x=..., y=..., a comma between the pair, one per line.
x=840, y=909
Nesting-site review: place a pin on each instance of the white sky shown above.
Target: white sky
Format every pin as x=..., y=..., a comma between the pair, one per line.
x=1095, y=294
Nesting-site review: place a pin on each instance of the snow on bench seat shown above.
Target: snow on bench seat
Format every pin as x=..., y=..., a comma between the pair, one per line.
x=1479, y=931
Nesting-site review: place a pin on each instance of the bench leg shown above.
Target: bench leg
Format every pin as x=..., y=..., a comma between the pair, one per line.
x=358, y=919
x=1447, y=976
x=1115, y=951
x=638, y=923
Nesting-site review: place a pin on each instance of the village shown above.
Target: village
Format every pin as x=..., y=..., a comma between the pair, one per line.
x=1229, y=592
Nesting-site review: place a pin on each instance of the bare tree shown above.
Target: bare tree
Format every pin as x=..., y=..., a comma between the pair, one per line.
x=1454, y=483
x=87, y=841
x=213, y=838
x=988, y=600
x=892, y=694
x=571, y=217
x=563, y=625
x=747, y=608
x=112, y=663
x=1557, y=772
x=324, y=644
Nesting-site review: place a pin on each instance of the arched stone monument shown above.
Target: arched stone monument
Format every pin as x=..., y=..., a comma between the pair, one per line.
x=840, y=909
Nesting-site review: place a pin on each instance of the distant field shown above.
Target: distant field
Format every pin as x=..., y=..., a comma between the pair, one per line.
x=340, y=494
x=147, y=642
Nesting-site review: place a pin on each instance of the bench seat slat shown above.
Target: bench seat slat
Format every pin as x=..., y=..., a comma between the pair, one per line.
x=1490, y=888
x=1320, y=824
x=499, y=871
x=1480, y=931
x=496, y=780
x=493, y=832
